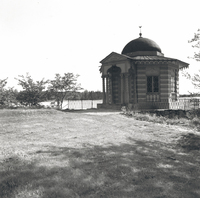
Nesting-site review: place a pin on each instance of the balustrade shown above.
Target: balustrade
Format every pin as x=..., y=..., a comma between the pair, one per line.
x=153, y=97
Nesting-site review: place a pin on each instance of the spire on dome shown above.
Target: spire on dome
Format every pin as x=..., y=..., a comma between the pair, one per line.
x=140, y=31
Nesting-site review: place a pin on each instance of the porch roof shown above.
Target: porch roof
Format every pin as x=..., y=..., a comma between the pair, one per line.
x=158, y=60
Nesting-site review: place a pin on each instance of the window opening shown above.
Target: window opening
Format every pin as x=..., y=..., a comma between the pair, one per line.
x=152, y=84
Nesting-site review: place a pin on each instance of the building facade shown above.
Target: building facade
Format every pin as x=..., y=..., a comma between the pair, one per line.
x=141, y=76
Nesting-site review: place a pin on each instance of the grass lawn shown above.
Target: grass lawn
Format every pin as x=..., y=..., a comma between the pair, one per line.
x=54, y=154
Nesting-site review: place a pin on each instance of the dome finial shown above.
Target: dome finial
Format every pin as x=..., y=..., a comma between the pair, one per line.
x=140, y=31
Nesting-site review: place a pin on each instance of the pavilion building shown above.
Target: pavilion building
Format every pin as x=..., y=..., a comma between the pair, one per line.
x=141, y=76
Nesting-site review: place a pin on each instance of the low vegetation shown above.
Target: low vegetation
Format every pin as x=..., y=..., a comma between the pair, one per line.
x=189, y=118
x=53, y=154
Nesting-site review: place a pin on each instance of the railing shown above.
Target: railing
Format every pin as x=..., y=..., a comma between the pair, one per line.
x=153, y=97
x=81, y=104
x=76, y=104
x=180, y=104
x=185, y=104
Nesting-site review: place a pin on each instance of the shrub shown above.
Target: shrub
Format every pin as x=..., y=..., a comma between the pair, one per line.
x=195, y=121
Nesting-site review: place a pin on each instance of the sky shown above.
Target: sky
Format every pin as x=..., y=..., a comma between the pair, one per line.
x=45, y=37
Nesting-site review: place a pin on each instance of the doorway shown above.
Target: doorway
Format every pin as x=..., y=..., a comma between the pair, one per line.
x=115, y=78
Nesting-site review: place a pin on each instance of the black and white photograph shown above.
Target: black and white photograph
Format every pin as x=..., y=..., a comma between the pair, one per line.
x=99, y=99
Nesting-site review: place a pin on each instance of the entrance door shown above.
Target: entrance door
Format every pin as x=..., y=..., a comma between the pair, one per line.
x=116, y=84
x=116, y=88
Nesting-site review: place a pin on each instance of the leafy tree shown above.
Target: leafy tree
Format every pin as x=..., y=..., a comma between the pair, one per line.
x=85, y=95
x=91, y=95
x=97, y=95
x=195, y=79
x=2, y=91
x=3, y=83
x=7, y=96
x=10, y=96
x=196, y=44
x=75, y=96
x=63, y=87
x=33, y=92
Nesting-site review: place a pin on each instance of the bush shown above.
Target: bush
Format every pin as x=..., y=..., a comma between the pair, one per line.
x=195, y=121
x=173, y=117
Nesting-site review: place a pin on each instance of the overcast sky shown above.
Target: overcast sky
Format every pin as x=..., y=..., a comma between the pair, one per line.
x=45, y=37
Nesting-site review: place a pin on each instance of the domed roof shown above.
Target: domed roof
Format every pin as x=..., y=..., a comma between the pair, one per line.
x=141, y=44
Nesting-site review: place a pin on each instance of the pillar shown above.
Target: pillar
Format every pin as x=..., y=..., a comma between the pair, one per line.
x=110, y=89
x=135, y=83
x=131, y=84
x=126, y=76
x=122, y=88
x=107, y=89
x=104, y=93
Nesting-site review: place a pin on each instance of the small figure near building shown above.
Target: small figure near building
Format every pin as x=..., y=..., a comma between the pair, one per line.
x=140, y=76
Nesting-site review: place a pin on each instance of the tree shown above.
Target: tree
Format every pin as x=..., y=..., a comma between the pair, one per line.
x=2, y=91
x=196, y=44
x=195, y=79
x=85, y=95
x=3, y=83
x=62, y=86
x=91, y=95
x=33, y=92
x=10, y=97
x=7, y=95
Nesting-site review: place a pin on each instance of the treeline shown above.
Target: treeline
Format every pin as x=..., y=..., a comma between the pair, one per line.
x=86, y=95
x=33, y=92
x=190, y=95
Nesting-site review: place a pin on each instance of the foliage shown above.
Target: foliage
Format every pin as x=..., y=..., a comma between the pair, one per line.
x=195, y=79
x=77, y=95
x=87, y=95
x=189, y=118
x=3, y=84
x=33, y=92
x=2, y=90
x=189, y=95
x=91, y=95
x=63, y=87
x=10, y=97
x=30, y=98
x=196, y=44
x=7, y=96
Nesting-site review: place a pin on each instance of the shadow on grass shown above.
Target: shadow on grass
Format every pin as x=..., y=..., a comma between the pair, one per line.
x=190, y=142
x=138, y=169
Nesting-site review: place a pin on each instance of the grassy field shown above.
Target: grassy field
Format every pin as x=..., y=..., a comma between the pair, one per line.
x=54, y=154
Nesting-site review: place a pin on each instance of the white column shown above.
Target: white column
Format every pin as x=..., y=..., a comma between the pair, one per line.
x=122, y=88
x=135, y=84
x=126, y=75
x=104, y=94
x=110, y=89
x=107, y=96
